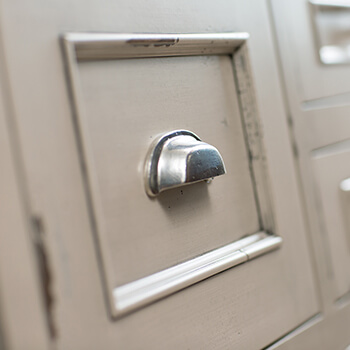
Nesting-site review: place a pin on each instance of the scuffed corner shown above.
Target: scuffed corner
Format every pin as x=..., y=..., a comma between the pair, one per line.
x=45, y=273
x=153, y=42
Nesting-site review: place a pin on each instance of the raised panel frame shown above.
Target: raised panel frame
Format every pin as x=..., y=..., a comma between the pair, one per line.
x=78, y=47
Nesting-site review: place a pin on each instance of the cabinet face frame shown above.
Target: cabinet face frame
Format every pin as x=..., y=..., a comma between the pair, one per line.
x=79, y=47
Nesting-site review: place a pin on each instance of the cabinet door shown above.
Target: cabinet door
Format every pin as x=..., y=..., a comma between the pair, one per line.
x=118, y=119
x=318, y=98
x=88, y=107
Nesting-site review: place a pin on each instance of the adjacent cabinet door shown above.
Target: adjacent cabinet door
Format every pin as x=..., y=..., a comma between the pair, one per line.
x=116, y=101
x=313, y=40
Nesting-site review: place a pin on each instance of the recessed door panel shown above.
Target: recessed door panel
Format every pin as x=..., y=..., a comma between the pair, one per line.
x=73, y=152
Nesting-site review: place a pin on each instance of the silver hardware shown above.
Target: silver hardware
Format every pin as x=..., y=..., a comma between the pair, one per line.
x=345, y=185
x=180, y=158
x=345, y=204
x=332, y=25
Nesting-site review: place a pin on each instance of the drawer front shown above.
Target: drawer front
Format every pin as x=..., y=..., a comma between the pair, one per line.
x=128, y=103
x=332, y=171
x=314, y=41
x=126, y=91
x=92, y=133
x=318, y=94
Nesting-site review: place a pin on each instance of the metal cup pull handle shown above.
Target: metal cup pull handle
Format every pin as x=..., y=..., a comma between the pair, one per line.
x=345, y=203
x=180, y=158
x=331, y=25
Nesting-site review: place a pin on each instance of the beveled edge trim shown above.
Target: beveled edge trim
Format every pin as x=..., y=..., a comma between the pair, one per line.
x=144, y=291
x=328, y=3
x=102, y=46
x=79, y=47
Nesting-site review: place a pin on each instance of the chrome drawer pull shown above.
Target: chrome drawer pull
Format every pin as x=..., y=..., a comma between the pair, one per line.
x=331, y=25
x=345, y=185
x=179, y=158
x=345, y=204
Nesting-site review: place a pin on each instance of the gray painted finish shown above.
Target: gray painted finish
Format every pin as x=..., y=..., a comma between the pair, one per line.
x=267, y=297
x=176, y=95
x=317, y=101
x=330, y=170
x=100, y=46
x=295, y=27
x=22, y=315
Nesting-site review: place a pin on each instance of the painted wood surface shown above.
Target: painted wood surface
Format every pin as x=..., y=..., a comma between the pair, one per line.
x=247, y=307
